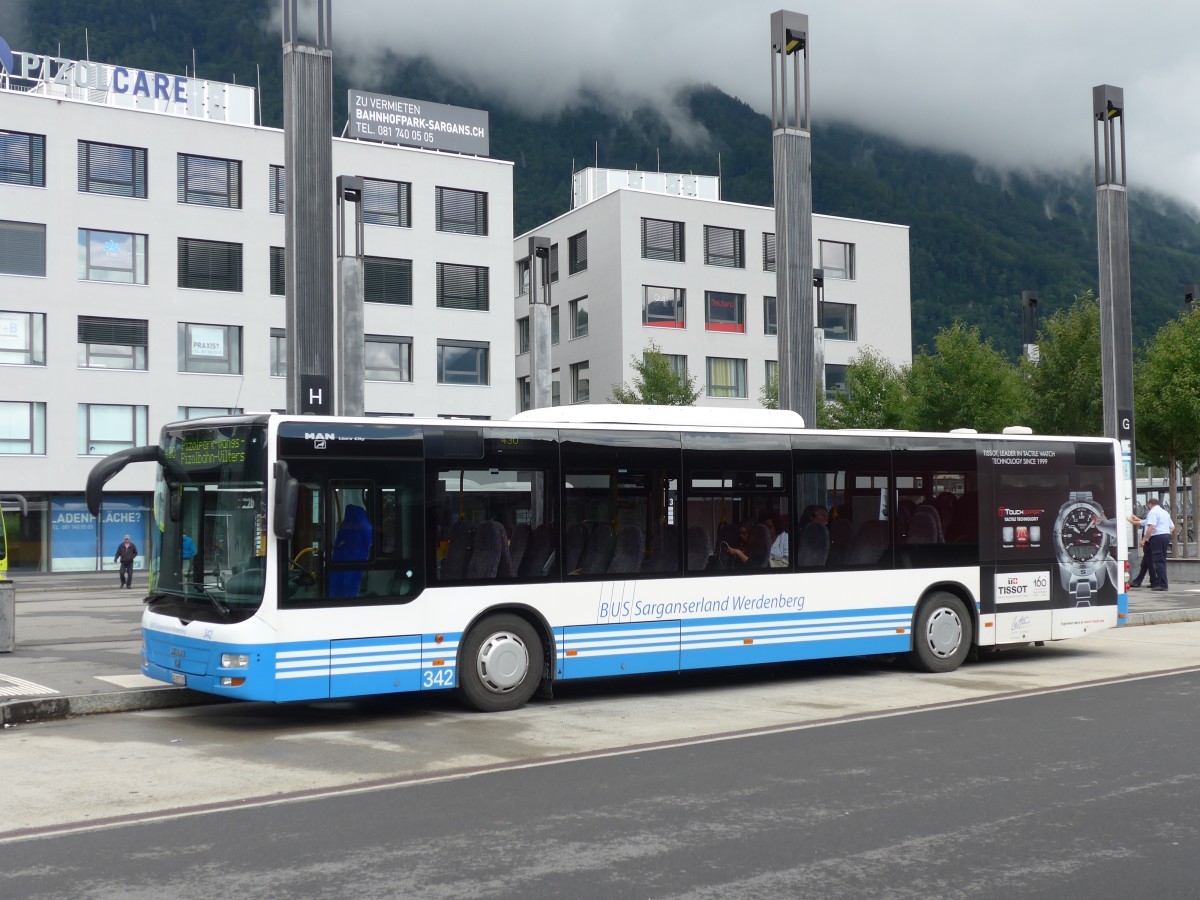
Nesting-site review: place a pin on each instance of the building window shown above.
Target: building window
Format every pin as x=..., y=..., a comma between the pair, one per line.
x=770, y=316
x=523, y=334
x=768, y=252
x=277, y=202
x=523, y=394
x=387, y=358
x=663, y=307
x=724, y=311
x=835, y=381
x=678, y=363
x=22, y=158
x=22, y=338
x=726, y=377
x=555, y=388
x=724, y=247
x=105, y=428
x=209, y=181
x=22, y=427
x=387, y=280
x=523, y=277
x=462, y=362
x=462, y=287
x=554, y=261
x=554, y=326
x=462, y=212
x=112, y=169
x=22, y=248
x=209, y=265
x=112, y=343
x=837, y=259
x=579, y=318
x=387, y=203
x=771, y=373
x=580, y=386
x=112, y=256
x=839, y=321
x=279, y=352
x=662, y=239
x=205, y=412
x=210, y=349
x=577, y=252
x=278, y=267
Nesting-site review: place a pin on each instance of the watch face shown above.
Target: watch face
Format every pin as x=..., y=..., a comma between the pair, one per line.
x=1081, y=540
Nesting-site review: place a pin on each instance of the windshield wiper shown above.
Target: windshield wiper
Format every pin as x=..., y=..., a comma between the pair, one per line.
x=221, y=607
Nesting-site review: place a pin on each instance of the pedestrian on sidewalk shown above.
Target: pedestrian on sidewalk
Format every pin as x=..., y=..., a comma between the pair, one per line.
x=1156, y=538
x=125, y=555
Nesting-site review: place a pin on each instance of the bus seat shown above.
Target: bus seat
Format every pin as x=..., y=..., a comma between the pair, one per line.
x=574, y=542
x=666, y=551
x=540, y=552
x=598, y=552
x=870, y=543
x=489, y=555
x=454, y=566
x=925, y=526
x=631, y=550
x=814, y=545
x=946, y=503
x=351, y=544
x=518, y=544
x=759, y=556
x=699, y=549
x=841, y=538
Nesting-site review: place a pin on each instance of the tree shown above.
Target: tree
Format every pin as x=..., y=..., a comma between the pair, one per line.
x=965, y=383
x=1167, y=400
x=876, y=393
x=768, y=396
x=1065, y=383
x=656, y=382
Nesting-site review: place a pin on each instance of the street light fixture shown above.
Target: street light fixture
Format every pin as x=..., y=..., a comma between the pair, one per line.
x=539, y=324
x=1029, y=324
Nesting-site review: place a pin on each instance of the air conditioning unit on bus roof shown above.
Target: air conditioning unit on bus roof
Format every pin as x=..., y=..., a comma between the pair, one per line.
x=671, y=416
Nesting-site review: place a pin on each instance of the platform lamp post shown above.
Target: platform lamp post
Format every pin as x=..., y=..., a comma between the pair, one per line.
x=1112, y=240
x=539, y=324
x=1029, y=325
x=1191, y=295
x=791, y=152
x=818, y=331
x=351, y=349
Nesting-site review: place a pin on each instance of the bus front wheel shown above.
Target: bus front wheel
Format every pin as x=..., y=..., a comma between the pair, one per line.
x=941, y=634
x=501, y=664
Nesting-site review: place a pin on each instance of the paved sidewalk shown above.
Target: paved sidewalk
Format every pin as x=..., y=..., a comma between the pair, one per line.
x=78, y=645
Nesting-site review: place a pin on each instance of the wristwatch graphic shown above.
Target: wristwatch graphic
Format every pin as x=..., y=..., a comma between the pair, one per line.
x=1082, y=547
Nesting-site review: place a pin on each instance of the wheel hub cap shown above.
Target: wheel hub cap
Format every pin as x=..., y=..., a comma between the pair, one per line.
x=945, y=633
x=503, y=662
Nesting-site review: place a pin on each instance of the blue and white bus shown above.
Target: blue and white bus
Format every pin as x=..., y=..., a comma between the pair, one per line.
x=297, y=558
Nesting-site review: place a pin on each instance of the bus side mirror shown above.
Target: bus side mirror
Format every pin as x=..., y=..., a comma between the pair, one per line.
x=287, y=496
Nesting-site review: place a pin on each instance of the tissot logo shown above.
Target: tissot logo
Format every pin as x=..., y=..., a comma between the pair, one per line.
x=6, y=57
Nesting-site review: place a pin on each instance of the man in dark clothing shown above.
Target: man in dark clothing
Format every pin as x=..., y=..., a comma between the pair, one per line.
x=125, y=555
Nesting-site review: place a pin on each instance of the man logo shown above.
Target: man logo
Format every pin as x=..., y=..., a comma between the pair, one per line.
x=6, y=57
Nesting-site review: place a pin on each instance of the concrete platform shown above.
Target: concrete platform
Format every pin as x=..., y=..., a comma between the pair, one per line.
x=78, y=643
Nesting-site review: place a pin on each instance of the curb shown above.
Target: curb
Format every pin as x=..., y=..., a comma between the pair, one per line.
x=44, y=709
x=1162, y=617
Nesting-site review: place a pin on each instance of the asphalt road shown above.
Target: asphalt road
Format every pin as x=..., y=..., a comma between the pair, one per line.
x=1089, y=792
x=1011, y=777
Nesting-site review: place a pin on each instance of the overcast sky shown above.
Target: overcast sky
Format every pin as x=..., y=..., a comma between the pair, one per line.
x=1007, y=81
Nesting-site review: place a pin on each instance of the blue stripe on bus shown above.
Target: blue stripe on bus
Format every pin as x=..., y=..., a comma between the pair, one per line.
x=590, y=651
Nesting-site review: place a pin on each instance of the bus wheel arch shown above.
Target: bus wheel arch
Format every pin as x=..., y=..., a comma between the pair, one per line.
x=502, y=659
x=943, y=630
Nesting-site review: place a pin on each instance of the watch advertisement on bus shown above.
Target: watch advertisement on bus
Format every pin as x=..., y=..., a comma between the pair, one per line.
x=1053, y=527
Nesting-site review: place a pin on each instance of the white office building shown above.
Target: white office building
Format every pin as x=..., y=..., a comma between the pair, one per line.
x=650, y=257
x=141, y=282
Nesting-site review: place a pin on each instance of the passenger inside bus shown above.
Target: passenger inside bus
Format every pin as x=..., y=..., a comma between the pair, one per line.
x=352, y=544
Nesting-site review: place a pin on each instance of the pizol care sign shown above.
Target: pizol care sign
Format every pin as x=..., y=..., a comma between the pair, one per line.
x=417, y=123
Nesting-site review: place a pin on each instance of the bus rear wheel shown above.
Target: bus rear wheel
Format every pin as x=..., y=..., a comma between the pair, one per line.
x=501, y=664
x=941, y=634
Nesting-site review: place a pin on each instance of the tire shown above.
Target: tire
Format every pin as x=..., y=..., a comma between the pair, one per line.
x=942, y=634
x=500, y=664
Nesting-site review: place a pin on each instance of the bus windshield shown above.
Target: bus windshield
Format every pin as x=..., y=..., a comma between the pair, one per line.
x=210, y=540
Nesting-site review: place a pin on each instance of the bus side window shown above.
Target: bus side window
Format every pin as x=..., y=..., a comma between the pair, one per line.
x=305, y=558
x=354, y=539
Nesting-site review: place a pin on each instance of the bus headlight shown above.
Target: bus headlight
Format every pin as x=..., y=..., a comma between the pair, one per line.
x=235, y=660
